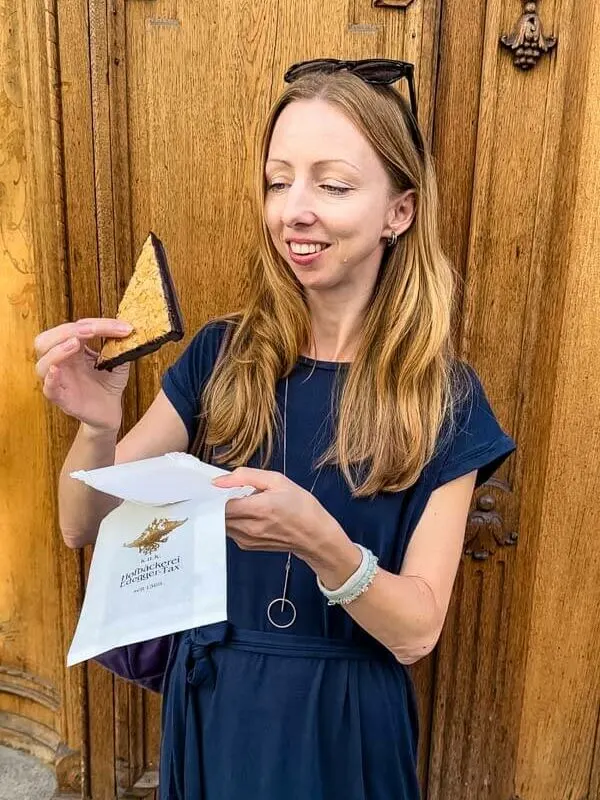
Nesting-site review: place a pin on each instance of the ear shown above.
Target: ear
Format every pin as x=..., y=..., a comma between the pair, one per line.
x=401, y=213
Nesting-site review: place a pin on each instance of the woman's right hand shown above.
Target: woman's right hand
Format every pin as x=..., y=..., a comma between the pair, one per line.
x=70, y=380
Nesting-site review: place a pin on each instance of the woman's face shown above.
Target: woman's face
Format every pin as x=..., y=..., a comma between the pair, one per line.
x=328, y=204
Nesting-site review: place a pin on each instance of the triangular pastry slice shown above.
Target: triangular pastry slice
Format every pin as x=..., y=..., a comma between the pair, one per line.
x=150, y=305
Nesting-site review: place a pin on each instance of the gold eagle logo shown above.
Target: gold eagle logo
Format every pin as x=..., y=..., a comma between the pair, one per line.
x=155, y=534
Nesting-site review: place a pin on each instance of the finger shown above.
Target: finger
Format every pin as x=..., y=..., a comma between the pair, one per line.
x=45, y=341
x=261, y=479
x=105, y=327
x=243, y=508
x=242, y=527
x=91, y=353
x=83, y=328
x=52, y=386
x=58, y=354
x=246, y=543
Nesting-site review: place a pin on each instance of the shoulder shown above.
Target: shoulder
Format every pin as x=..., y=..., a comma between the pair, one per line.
x=468, y=399
x=466, y=392
x=184, y=381
x=471, y=436
x=207, y=341
x=199, y=356
x=462, y=389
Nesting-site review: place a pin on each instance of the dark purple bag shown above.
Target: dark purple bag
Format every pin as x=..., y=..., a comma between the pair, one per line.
x=144, y=663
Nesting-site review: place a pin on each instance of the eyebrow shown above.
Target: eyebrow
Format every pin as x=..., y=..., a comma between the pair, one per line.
x=321, y=163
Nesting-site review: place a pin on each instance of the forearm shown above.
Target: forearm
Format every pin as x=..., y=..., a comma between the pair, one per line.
x=399, y=611
x=81, y=508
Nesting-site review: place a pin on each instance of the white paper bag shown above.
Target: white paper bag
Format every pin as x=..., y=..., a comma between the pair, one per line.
x=159, y=563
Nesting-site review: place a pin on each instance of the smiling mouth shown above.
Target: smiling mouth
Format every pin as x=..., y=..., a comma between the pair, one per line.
x=305, y=249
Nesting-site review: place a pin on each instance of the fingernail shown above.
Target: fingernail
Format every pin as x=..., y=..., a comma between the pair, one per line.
x=124, y=327
x=71, y=344
x=85, y=328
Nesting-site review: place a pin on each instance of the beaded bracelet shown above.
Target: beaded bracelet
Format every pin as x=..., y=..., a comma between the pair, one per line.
x=357, y=583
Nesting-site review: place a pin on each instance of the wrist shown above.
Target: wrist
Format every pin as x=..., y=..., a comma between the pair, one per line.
x=335, y=559
x=356, y=584
x=92, y=433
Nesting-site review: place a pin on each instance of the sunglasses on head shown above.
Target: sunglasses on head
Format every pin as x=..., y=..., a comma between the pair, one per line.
x=376, y=71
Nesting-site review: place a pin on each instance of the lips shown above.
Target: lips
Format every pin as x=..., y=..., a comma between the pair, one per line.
x=304, y=247
x=305, y=252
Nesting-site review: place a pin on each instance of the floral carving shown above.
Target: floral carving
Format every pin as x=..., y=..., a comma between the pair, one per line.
x=26, y=299
x=527, y=41
x=485, y=529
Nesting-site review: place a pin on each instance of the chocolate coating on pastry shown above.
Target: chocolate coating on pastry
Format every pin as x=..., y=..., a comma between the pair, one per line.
x=149, y=304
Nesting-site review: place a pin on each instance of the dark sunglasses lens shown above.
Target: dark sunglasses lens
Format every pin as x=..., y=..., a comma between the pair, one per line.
x=380, y=72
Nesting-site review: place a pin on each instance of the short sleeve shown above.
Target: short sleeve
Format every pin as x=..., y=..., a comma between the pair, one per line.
x=185, y=380
x=476, y=441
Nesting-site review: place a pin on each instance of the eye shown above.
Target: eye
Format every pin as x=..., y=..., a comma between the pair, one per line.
x=276, y=186
x=336, y=190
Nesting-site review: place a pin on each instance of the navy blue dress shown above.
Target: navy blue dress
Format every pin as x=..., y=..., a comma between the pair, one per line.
x=318, y=711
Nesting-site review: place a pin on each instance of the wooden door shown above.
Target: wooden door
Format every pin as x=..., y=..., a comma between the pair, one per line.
x=141, y=114
x=189, y=84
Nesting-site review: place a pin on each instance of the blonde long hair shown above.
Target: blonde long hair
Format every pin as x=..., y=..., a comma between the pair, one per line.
x=399, y=388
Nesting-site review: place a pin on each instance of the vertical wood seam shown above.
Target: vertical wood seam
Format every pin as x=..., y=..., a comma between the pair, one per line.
x=461, y=341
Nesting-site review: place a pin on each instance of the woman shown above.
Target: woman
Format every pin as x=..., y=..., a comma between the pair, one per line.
x=339, y=377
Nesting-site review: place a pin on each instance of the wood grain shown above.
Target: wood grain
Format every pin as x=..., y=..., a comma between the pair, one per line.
x=558, y=754
x=124, y=116
x=40, y=608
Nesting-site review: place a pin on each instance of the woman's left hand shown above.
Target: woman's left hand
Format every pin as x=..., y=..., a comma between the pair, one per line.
x=281, y=516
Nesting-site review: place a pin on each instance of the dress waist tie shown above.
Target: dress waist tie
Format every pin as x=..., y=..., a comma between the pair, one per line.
x=193, y=666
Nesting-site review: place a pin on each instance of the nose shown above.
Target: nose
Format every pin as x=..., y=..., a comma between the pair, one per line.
x=297, y=209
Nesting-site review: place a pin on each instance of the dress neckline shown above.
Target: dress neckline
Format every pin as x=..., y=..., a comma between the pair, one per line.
x=334, y=365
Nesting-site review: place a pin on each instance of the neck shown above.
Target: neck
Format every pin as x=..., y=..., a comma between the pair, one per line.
x=337, y=322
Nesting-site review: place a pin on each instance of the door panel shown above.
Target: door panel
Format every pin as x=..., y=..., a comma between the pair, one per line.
x=198, y=81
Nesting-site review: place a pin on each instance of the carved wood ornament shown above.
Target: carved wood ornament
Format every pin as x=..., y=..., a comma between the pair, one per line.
x=527, y=40
x=485, y=528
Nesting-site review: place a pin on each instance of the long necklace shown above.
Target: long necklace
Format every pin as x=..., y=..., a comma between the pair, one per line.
x=284, y=602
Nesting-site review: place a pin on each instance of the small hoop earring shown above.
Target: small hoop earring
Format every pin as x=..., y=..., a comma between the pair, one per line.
x=392, y=239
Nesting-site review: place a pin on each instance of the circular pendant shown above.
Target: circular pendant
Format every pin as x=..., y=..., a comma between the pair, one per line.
x=284, y=616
